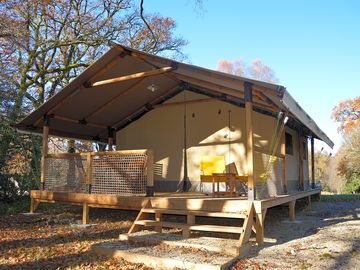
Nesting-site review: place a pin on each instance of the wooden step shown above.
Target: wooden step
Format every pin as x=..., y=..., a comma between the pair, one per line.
x=192, y=227
x=194, y=213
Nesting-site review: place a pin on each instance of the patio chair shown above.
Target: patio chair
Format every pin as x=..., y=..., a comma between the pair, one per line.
x=208, y=166
x=214, y=170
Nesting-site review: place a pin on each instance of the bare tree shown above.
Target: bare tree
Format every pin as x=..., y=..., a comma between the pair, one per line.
x=257, y=70
x=45, y=44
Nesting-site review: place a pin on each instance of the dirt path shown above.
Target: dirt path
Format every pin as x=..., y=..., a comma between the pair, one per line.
x=327, y=237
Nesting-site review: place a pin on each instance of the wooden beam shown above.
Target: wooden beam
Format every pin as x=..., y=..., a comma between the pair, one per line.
x=63, y=101
x=268, y=152
x=195, y=101
x=94, y=200
x=249, y=141
x=283, y=169
x=68, y=119
x=134, y=76
x=118, y=152
x=312, y=163
x=282, y=199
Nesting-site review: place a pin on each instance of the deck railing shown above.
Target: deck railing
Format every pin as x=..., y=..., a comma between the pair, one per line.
x=127, y=172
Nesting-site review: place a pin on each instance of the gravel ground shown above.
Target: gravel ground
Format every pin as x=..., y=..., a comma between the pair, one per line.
x=325, y=237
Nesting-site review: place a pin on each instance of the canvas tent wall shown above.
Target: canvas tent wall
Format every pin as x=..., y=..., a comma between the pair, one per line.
x=208, y=133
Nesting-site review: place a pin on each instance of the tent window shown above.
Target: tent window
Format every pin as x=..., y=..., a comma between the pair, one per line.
x=289, y=149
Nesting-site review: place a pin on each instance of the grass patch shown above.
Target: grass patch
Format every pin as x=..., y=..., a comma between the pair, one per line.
x=22, y=205
x=340, y=197
x=327, y=255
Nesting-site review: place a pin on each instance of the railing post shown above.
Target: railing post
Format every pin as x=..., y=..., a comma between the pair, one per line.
x=110, y=138
x=88, y=180
x=249, y=140
x=150, y=173
x=45, y=149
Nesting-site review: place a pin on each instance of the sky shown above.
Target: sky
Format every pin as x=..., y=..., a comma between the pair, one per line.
x=312, y=45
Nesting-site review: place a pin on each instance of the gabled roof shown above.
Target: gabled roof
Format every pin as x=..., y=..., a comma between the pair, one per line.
x=93, y=102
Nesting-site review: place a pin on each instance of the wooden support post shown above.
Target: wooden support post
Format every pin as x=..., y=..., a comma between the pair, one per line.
x=45, y=148
x=85, y=216
x=150, y=173
x=190, y=220
x=259, y=226
x=249, y=140
x=33, y=205
x=312, y=164
x=283, y=153
x=309, y=202
x=248, y=224
x=301, y=160
x=292, y=210
x=89, y=166
x=110, y=138
x=158, y=218
x=32, y=210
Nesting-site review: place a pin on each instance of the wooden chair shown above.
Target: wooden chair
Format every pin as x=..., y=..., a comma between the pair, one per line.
x=231, y=168
x=242, y=179
x=213, y=171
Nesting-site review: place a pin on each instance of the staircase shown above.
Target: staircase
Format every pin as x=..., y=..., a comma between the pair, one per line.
x=143, y=220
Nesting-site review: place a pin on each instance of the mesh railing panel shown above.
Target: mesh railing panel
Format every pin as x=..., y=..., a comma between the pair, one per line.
x=66, y=174
x=119, y=174
x=268, y=174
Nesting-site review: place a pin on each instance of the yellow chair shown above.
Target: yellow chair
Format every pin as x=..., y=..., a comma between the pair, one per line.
x=210, y=165
x=214, y=170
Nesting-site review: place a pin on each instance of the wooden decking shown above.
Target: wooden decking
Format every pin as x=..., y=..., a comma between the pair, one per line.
x=189, y=204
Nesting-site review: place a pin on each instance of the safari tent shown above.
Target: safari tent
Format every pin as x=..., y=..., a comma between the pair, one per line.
x=181, y=140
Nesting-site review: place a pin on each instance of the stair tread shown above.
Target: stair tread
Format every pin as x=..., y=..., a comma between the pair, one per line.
x=194, y=212
x=194, y=227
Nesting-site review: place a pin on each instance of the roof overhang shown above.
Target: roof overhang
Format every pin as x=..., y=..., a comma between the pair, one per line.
x=114, y=91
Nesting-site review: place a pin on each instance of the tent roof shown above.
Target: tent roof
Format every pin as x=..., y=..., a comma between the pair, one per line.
x=89, y=106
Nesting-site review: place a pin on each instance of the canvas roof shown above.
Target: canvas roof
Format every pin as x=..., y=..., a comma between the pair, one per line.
x=84, y=111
